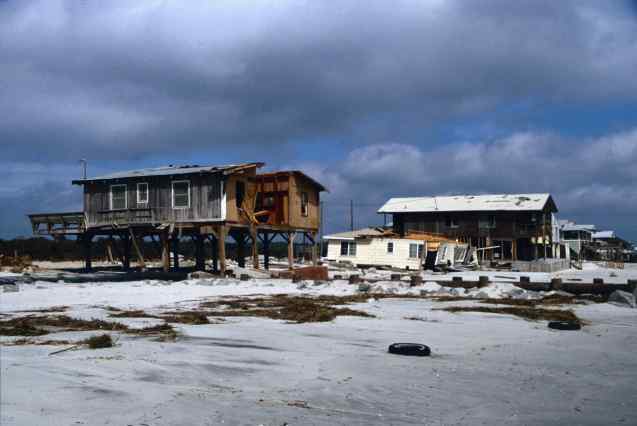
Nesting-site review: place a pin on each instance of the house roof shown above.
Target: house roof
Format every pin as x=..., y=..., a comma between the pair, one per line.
x=567, y=225
x=358, y=233
x=381, y=232
x=463, y=203
x=170, y=171
x=296, y=172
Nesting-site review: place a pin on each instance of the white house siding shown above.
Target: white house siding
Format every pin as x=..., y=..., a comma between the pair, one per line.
x=373, y=251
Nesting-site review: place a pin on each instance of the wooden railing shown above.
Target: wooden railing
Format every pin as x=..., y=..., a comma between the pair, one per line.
x=123, y=216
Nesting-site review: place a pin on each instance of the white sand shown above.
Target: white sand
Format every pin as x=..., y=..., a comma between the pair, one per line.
x=485, y=368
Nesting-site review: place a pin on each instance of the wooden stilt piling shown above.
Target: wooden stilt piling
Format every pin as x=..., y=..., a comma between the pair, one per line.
x=291, y=237
x=266, y=251
x=221, y=246
x=255, y=247
x=175, y=244
x=87, y=240
x=165, y=251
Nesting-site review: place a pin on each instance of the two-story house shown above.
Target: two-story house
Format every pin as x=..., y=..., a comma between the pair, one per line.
x=503, y=227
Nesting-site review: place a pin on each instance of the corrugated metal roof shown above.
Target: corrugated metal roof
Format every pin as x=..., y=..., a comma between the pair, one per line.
x=167, y=171
x=458, y=203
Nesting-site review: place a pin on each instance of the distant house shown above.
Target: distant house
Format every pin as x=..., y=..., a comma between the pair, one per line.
x=382, y=247
x=503, y=226
x=575, y=236
x=611, y=247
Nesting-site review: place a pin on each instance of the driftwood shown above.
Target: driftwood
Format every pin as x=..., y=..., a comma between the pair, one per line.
x=65, y=349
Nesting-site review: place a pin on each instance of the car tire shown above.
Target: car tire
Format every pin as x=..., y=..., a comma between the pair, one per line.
x=409, y=349
x=565, y=325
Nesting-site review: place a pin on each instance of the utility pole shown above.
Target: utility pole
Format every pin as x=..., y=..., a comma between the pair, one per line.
x=351, y=215
x=83, y=161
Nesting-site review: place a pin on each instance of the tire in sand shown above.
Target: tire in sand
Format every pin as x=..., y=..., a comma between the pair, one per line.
x=565, y=325
x=409, y=349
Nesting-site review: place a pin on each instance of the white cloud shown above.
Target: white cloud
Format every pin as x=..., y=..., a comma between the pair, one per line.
x=591, y=179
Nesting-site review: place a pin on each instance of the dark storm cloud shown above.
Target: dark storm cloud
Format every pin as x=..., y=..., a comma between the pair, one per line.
x=120, y=80
x=113, y=78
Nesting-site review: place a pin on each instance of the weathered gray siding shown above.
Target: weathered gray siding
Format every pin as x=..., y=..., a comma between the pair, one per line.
x=205, y=201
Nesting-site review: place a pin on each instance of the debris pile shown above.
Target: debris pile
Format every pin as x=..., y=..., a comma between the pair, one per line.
x=16, y=264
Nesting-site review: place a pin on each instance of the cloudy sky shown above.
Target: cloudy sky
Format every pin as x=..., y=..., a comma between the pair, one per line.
x=373, y=98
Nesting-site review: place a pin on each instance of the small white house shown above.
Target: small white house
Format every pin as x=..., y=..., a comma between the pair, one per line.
x=575, y=236
x=377, y=247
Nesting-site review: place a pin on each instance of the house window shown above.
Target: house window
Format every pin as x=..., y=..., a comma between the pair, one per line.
x=415, y=251
x=181, y=194
x=142, y=193
x=451, y=222
x=390, y=247
x=118, y=197
x=304, y=204
x=487, y=222
x=348, y=248
x=241, y=193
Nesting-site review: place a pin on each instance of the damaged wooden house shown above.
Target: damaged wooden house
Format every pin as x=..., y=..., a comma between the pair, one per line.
x=167, y=204
x=502, y=227
x=382, y=247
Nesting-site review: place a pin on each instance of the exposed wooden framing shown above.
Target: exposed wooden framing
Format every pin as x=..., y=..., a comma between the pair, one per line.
x=138, y=251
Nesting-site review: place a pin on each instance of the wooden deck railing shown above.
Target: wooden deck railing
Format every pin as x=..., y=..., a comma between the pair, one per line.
x=123, y=216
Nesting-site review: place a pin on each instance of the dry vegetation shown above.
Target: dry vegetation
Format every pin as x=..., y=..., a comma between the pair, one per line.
x=293, y=309
x=131, y=314
x=187, y=317
x=52, y=309
x=525, y=312
x=25, y=341
x=16, y=264
x=98, y=342
x=32, y=325
x=182, y=317
x=38, y=325
x=548, y=300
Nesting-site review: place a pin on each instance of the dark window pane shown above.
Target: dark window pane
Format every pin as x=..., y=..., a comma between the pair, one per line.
x=118, y=197
x=343, y=248
x=181, y=194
